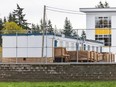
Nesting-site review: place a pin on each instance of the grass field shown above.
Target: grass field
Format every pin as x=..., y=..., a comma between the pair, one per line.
x=59, y=84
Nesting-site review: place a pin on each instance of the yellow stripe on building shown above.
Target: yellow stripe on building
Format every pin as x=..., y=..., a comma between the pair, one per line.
x=103, y=31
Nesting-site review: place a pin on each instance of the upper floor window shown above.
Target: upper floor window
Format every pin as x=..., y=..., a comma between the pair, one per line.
x=102, y=22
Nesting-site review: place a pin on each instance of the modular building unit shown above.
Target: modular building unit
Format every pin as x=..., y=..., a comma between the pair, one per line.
x=30, y=45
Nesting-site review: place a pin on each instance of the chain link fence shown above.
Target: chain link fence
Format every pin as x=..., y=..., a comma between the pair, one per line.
x=81, y=45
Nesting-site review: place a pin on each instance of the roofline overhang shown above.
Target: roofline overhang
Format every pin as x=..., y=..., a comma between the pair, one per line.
x=94, y=10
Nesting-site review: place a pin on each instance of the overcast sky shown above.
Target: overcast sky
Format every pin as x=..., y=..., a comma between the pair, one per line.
x=34, y=10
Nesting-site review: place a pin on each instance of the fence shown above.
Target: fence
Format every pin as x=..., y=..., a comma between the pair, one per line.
x=93, y=45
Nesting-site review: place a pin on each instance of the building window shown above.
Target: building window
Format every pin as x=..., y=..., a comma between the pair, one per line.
x=102, y=22
x=55, y=43
x=84, y=47
x=88, y=47
x=100, y=49
x=92, y=48
x=96, y=49
x=106, y=39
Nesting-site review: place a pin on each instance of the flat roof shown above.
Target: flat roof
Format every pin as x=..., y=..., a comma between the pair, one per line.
x=92, y=10
x=40, y=34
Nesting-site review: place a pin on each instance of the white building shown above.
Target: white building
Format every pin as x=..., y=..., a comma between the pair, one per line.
x=101, y=26
x=31, y=45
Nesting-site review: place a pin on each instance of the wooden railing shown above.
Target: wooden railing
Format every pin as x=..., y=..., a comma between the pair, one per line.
x=82, y=56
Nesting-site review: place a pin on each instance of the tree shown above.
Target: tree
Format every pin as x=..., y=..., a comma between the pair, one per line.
x=101, y=5
x=38, y=28
x=11, y=18
x=67, y=28
x=4, y=20
x=19, y=17
x=106, y=5
x=50, y=29
x=83, y=35
x=41, y=26
x=12, y=28
x=35, y=28
x=1, y=26
x=75, y=34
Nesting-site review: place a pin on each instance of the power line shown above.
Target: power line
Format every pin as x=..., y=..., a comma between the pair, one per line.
x=63, y=10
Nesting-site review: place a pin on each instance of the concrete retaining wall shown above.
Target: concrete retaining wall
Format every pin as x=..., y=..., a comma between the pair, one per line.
x=27, y=60
x=57, y=72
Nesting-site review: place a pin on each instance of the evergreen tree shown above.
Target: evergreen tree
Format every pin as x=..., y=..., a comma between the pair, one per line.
x=1, y=26
x=11, y=18
x=106, y=5
x=50, y=29
x=19, y=17
x=67, y=28
x=101, y=5
x=83, y=35
x=41, y=26
x=4, y=20
x=38, y=29
x=35, y=28
x=75, y=34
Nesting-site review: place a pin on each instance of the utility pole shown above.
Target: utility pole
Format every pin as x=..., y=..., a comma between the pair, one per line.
x=44, y=13
x=16, y=47
x=77, y=47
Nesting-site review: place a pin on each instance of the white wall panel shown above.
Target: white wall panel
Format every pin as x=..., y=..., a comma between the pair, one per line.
x=113, y=50
x=48, y=42
x=22, y=41
x=22, y=52
x=34, y=52
x=34, y=41
x=113, y=36
x=9, y=52
x=90, y=24
x=9, y=41
x=48, y=53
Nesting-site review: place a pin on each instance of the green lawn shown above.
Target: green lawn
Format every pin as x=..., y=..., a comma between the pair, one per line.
x=59, y=84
